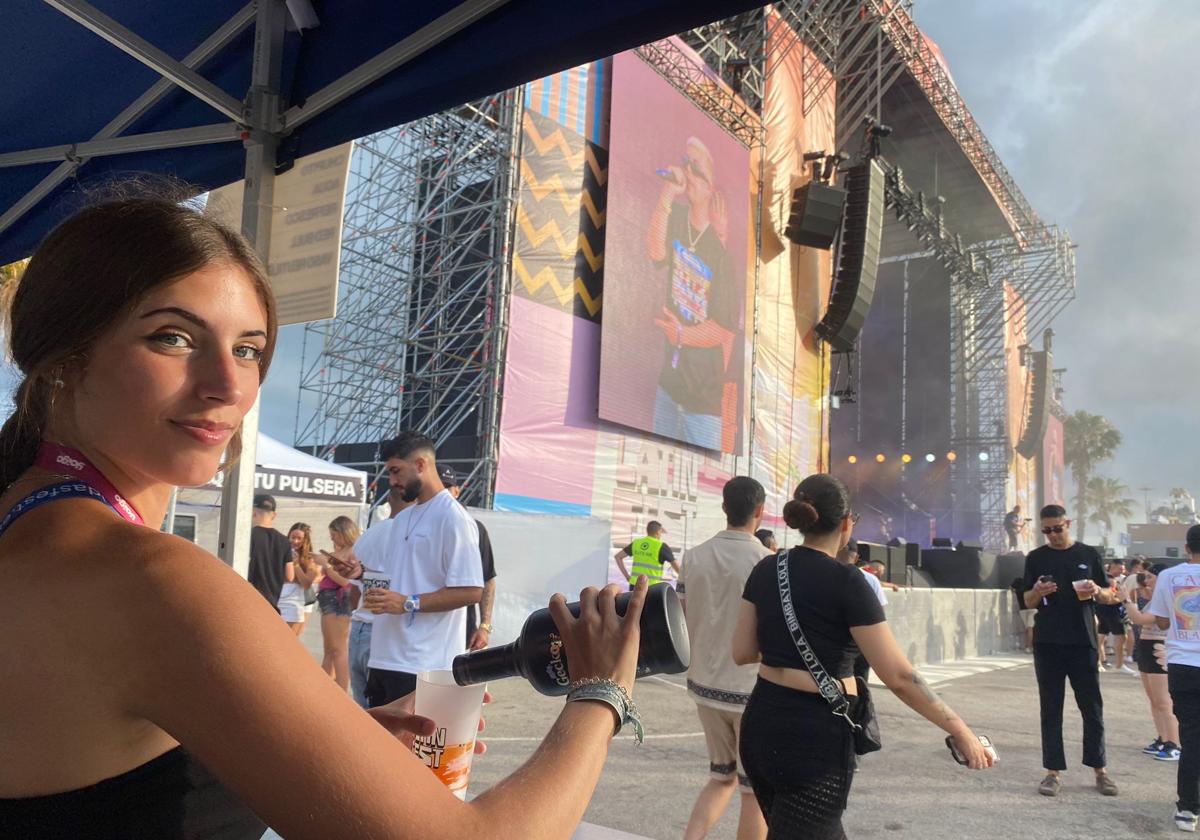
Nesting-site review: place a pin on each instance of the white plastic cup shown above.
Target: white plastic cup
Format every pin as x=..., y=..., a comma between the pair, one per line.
x=375, y=580
x=455, y=711
x=1083, y=589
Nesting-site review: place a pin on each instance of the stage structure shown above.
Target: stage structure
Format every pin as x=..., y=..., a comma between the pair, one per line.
x=418, y=338
x=448, y=221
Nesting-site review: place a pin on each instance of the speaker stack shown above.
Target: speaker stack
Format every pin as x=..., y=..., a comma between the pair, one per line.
x=1038, y=415
x=858, y=259
x=816, y=215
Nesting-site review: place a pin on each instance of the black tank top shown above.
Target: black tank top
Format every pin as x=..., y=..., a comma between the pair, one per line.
x=171, y=797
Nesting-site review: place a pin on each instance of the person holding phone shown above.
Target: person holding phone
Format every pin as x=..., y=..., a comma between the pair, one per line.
x=1165, y=746
x=333, y=600
x=798, y=755
x=1063, y=581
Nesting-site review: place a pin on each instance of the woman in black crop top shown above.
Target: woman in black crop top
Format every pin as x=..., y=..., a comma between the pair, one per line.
x=798, y=755
x=147, y=688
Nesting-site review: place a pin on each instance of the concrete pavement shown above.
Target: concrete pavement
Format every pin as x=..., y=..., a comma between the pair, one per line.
x=910, y=789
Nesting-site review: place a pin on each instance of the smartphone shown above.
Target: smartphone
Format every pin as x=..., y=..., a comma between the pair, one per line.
x=1046, y=579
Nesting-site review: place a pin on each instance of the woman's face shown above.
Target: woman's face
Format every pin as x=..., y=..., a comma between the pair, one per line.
x=296, y=538
x=165, y=389
x=336, y=538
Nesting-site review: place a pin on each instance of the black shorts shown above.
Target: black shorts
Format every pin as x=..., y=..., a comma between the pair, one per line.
x=1147, y=662
x=1111, y=620
x=385, y=686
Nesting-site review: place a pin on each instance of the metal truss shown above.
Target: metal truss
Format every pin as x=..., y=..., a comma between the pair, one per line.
x=418, y=339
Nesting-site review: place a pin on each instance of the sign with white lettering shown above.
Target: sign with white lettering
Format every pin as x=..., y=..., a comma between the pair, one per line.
x=306, y=232
x=305, y=485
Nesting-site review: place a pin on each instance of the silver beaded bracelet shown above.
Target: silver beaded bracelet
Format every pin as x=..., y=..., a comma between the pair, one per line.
x=615, y=695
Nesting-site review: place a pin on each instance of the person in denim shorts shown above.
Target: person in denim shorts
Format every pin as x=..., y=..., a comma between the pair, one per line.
x=333, y=600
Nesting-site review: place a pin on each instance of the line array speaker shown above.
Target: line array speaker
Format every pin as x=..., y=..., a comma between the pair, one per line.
x=816, y=215
x=1034, y=430
x=858, y=257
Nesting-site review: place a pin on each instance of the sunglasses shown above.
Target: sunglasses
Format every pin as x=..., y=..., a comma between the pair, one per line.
x=1054, y=529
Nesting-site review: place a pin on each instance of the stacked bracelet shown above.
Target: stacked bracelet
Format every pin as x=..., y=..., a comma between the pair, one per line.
x=613, y=694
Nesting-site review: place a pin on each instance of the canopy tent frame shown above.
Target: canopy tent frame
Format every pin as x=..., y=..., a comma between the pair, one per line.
x=259, y=122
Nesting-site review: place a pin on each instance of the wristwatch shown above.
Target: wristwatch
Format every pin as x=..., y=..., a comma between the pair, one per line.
x=487, y=628
x=412, y=604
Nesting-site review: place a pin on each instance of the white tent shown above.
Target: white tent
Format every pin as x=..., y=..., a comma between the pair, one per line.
x=306, y=489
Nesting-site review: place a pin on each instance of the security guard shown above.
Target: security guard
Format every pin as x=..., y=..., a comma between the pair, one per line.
x=650, y=554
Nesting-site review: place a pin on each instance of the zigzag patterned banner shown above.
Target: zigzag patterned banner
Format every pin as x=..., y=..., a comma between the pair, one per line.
x=559, y=254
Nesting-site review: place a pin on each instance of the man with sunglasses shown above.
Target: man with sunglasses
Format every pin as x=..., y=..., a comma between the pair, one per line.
x=1063, y=581
x=700, y=312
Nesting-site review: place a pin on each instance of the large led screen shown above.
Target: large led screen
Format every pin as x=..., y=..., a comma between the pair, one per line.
x=673, y=331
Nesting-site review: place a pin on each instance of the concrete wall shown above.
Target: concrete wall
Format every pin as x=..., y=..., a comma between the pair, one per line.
x=937, y=625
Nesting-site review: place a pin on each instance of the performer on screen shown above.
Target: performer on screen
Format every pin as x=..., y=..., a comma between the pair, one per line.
x=699, y=319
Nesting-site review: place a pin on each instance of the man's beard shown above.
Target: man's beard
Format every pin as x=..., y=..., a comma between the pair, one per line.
x=412, y=490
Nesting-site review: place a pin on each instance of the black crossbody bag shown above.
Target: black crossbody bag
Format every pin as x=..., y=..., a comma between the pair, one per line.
x=860, y=714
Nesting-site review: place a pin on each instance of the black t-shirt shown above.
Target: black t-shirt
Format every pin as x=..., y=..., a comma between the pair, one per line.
x=270, y=552
x=665, y=554
x=829, y=597
x=1011, y=522
x=1062, y=619
x=701, y=289
x=489, y=572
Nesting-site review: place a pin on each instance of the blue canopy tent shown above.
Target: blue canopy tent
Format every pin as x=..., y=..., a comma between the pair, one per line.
x=223, y=89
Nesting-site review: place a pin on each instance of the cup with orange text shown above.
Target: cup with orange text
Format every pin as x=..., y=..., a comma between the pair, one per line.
x=455, y=711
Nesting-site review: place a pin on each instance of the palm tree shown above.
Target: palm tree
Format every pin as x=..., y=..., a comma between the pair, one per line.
x=1087, y=440
x=1106, y=499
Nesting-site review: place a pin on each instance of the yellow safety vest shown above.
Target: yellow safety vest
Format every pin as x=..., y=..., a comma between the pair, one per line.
x=645, y=561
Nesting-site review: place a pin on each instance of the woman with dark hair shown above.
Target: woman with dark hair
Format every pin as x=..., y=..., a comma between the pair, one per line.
x=798, y=754
x=142, y=331
x=305, y=572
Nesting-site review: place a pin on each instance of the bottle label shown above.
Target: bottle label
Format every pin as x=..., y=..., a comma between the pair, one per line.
x=557, y=668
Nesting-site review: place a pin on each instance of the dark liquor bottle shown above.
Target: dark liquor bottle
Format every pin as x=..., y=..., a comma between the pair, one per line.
x=538, y=655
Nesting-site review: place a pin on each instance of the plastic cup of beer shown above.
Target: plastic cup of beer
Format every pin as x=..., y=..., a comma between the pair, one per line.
x=1083, y=589
x=455, y=711
x=375, y=580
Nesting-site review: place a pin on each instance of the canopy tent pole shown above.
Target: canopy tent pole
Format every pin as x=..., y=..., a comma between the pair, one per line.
x=262, y=115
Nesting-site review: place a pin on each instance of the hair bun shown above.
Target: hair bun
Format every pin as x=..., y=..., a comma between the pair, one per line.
x=800, y=515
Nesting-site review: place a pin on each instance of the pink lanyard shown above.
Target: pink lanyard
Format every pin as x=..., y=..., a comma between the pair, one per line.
x=58, y=458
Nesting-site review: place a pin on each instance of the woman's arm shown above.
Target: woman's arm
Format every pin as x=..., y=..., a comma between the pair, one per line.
x=307, y=579
x=745, y=635
x=879, y=646
x=331, y=572
x=187, y=669
x=1137, y=616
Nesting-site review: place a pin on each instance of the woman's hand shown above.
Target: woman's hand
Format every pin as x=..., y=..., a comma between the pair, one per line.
x=970, y=747
x=600, y=643
x=397, y=717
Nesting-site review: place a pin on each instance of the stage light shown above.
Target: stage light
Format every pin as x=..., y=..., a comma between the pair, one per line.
x=951, y=456
x=853, y=459
x=983, y=456
x=930, y=457
x=906, y=458
x=880, y=458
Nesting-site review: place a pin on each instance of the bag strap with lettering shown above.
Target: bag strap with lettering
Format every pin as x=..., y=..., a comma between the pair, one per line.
x=830, y=688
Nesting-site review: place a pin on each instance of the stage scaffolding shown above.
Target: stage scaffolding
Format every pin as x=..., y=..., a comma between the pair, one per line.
x=418, y=338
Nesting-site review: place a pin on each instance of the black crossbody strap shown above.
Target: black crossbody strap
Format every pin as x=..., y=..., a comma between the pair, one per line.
x=830, y=689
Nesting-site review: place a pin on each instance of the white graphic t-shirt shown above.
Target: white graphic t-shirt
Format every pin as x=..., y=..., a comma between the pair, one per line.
x=428, y=547
x=1177, y=597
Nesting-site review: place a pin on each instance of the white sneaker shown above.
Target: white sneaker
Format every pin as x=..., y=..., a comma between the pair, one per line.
x=1185, y=820
x=1125, y=669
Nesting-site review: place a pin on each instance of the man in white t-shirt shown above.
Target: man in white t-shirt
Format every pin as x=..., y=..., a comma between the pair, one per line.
x=1176, y=609
x=431, y=551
